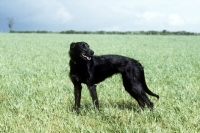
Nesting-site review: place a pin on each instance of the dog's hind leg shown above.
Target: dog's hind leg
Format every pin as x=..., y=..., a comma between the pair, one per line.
x=147, y=101
x=142, y=98
x=136, y=97
x=93, y=94
x=136, y=90
x=128, y=87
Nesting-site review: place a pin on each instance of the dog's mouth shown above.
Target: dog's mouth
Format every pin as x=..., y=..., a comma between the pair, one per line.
x=85, y=56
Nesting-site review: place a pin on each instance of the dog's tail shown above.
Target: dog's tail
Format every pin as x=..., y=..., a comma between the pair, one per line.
x=150, y=92
x=146, y=89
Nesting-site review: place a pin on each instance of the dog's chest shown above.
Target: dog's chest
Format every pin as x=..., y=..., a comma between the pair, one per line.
x=79, y=73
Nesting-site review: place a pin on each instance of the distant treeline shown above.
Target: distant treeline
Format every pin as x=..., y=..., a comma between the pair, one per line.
x=164, y=32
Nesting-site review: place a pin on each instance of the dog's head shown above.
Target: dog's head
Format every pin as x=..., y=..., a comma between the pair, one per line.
x=80, y=51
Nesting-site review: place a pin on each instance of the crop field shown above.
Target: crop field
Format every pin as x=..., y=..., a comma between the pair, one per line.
x=36, y=94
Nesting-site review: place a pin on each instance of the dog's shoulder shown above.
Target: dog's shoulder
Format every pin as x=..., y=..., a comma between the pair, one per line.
x=78, y=71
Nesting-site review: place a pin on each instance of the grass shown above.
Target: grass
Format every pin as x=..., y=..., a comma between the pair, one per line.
x=36, y=94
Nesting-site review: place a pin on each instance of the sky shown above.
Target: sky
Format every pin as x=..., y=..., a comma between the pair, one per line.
x=97, y=15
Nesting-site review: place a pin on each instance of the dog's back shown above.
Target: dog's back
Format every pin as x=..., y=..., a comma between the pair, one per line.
x=107, y=65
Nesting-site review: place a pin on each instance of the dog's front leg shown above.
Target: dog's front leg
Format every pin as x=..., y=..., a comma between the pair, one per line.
x=93, y=94
x=77, y=95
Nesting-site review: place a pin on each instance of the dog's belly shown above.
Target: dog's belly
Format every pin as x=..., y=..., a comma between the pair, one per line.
x=101, y=75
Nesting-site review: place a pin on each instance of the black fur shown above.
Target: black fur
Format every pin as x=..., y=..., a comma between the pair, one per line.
x=90, y=70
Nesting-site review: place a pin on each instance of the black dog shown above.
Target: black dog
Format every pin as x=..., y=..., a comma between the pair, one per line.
x=90, y=70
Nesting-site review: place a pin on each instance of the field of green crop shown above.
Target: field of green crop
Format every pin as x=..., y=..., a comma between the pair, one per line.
x=36, y=94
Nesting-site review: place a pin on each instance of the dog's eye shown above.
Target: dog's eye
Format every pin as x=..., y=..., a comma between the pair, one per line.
x=84, y=46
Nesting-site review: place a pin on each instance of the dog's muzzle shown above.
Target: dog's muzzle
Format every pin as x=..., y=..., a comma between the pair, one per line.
x=85, y=56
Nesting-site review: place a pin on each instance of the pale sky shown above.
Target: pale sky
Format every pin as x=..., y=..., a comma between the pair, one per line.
x=96, y=15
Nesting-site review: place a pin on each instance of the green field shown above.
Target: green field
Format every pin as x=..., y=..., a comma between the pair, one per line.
x=36, y=94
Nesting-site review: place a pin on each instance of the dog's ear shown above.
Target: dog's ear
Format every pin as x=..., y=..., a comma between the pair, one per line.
x=72, y=45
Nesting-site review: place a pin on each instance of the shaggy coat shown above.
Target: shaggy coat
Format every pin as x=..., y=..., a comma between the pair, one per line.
x=90, y=70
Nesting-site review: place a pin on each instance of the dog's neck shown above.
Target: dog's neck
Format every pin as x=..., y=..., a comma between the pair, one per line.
x=78, y=62
x=73, y=61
